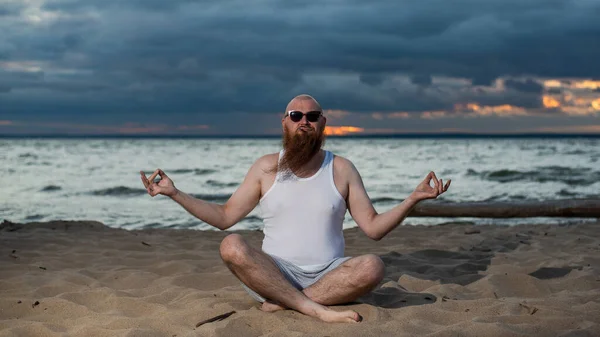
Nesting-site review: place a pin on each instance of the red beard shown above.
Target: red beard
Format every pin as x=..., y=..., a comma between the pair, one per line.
x=299, y=148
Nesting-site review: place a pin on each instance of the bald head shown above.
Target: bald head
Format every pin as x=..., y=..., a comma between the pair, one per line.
x=303, y=102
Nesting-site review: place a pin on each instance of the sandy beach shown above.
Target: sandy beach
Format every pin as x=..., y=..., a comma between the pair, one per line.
x=68, y=278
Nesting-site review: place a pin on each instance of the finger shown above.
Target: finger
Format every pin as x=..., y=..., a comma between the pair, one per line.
x=144, y=180
x=447, y=185
x=153, y=176
x=151, y=179
x=436, y=182
x=428, y=178
x=162, y=173
x=441, y=188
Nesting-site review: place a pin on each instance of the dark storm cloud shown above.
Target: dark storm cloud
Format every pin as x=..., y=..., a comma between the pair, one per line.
x=153, y=57
x=528, y=85
x=371, y=79
x=484, y=79
x=10, y=8
x=157, y=5
x=511, y=97
x=555, y=90
x=424, y=80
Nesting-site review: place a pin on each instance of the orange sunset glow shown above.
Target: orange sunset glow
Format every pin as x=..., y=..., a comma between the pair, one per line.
x=552, y=84
x=342, y=130
x=504, y=109
x=475, y=109
x=550, y=102
x=587, y=84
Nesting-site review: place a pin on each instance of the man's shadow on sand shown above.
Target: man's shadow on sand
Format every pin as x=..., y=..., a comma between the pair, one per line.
x=447, y=267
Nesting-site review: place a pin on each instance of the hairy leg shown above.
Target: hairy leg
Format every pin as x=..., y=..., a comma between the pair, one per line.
x=344, y=284
x=259, y=273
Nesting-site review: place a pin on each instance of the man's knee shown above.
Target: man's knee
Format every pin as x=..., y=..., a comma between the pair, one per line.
x=234, y=249
x=371, y=269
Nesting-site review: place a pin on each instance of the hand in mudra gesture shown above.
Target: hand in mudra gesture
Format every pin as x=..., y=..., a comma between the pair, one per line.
x=425, y=191
x=164, y=186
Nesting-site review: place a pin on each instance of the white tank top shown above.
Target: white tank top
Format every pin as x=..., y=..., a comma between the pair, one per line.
x=303, y=217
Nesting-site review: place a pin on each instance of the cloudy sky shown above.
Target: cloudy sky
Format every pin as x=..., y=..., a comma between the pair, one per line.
x=220, y=67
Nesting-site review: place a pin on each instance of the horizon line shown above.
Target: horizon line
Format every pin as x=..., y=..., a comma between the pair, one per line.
x=269, y=136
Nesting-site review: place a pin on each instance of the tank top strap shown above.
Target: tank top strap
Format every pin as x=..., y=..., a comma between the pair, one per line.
x=328, y=161
x=278, y=174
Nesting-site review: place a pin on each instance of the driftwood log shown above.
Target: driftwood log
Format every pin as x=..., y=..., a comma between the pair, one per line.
x=584, y=208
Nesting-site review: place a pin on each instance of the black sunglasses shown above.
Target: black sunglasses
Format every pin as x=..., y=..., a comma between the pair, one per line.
x=311, y=116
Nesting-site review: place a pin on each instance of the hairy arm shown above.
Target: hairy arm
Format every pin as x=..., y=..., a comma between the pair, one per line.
x=242, y=202
x=374, y=225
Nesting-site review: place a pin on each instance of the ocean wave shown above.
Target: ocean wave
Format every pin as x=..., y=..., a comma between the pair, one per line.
x=567, y=175
x=383, y=200
x=51, y=188
x=576, y=152
x=182, y=171
x=252, y=226
x=567, y=193
x=213, y=197
x=119, y=191
x=28, y=155
x=198, y=172
x=253, y=218
x=201, y=172
x=390, y=200
x=216, y=183
x=507, y=197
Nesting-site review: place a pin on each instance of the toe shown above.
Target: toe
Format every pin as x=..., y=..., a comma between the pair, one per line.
x=353, y=317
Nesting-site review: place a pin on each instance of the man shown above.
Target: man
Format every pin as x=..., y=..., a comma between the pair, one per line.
x=303, y=192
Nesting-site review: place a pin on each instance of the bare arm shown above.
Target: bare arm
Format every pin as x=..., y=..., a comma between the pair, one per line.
x=242, y=202
x=375, y=225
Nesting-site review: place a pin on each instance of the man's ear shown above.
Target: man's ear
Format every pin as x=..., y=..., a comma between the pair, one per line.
x=324, y=125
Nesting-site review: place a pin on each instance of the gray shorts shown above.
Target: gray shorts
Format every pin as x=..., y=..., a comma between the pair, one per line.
x=297, y=276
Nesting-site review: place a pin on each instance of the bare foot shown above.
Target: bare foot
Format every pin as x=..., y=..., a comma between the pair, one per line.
x=331, y=316
x=268, y=306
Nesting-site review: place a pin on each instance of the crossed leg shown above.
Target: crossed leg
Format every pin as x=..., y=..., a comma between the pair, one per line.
x=345, y=283
x=349, y=281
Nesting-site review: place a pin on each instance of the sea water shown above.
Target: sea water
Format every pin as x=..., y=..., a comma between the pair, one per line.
x=98, y=179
